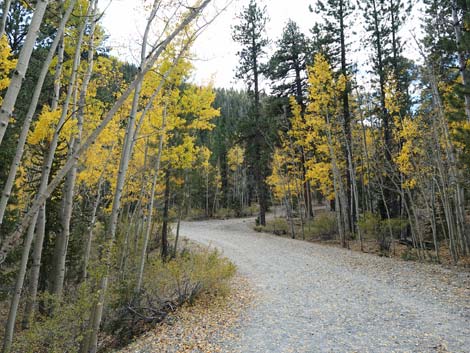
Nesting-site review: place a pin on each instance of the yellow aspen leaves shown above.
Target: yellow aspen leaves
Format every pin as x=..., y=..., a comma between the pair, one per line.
x=46, y=125
x=7, y=63
x=235, y=157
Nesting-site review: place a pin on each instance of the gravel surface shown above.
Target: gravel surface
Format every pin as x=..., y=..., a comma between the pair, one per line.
x=315, y=298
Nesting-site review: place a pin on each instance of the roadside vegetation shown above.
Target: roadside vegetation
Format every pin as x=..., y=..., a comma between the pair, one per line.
x=101, y=159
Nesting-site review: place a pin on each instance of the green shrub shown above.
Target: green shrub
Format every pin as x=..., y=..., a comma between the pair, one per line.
x=166, y=286
x=323, y=226
x=409, y=255
x=370, y=225
x=224, y=213
x=63, y=331
x=373, y=227
x=279, y=226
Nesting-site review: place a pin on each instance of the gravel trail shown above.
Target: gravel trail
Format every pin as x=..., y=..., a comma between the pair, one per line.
x=316, y=298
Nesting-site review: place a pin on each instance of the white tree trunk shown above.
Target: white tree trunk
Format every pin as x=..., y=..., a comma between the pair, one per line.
x=19, y=74
x=151, y=206
x=15, y=301
x=35, y=268
x=60, y=251
x=12, y=239
x=3, y=23
x=30, y=114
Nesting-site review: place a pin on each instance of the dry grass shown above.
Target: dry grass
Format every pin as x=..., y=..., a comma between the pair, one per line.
x=202, y=327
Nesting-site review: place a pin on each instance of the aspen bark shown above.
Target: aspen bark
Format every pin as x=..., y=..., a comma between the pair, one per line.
x=166, y=220
x=91, y=226
x=148, y=228
x=30, y=114
x=15, y=236
x=58, y=73
x=42, y=188
x=61, y=245
x=3, y=22
x=19, y=74
x=340, y=197
x=35, y=268
x=15, y=301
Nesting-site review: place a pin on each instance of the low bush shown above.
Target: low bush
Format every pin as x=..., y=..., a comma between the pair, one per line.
x=224, y=213
x=322, y=226
x=277, y=226
x=166, y=286
x=373, y=227
x=63, y=331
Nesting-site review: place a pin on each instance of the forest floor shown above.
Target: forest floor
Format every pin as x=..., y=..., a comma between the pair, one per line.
x=201, y=327
x=316, y=298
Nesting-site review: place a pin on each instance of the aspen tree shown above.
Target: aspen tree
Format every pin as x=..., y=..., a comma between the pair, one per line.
x=61, y=244
x=15, y=236
x=8, y=104
x=6, y=192
x=3, y=21
x=9, y=331
x=148, y=60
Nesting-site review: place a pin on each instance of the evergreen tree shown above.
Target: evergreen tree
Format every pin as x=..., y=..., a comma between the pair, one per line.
x=250, y=34
x=288, y=65
x=233, y=107
x=334, y=33
x=287, y=69
x=383, y=20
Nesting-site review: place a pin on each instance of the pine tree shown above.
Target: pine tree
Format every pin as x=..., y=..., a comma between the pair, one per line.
x=383, y=21
x=335, y=31
x=287, y=67
x=250, y=34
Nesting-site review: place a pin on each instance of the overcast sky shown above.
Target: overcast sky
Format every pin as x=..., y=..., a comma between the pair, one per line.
x=215, y=50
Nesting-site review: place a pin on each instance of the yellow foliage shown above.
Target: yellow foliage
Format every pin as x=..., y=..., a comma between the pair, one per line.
x=7, y=63
x=320, y=174
x=322, y=120
x=235, y=157
x=411, y=153
x=46, y=125
x=198, y=101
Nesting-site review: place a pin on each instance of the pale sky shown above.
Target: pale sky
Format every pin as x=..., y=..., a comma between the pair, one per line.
x=215, y=50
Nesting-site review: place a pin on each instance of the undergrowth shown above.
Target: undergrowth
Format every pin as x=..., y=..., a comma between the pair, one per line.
x=167, y=285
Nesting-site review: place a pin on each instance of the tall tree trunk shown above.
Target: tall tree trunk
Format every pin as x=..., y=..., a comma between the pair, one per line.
x=148, y=228
x=386, y=121
x=15, y=301
x=91, y=227
x=30, y=114
x=166, y=209
x=3, y=22
x=340, y=197
x=35, y=269
x=19, y=73
x=347, y=150
x=61, y=244
x=13, y=238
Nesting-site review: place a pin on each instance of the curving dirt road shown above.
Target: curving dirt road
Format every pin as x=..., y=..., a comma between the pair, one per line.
x=315, y=298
